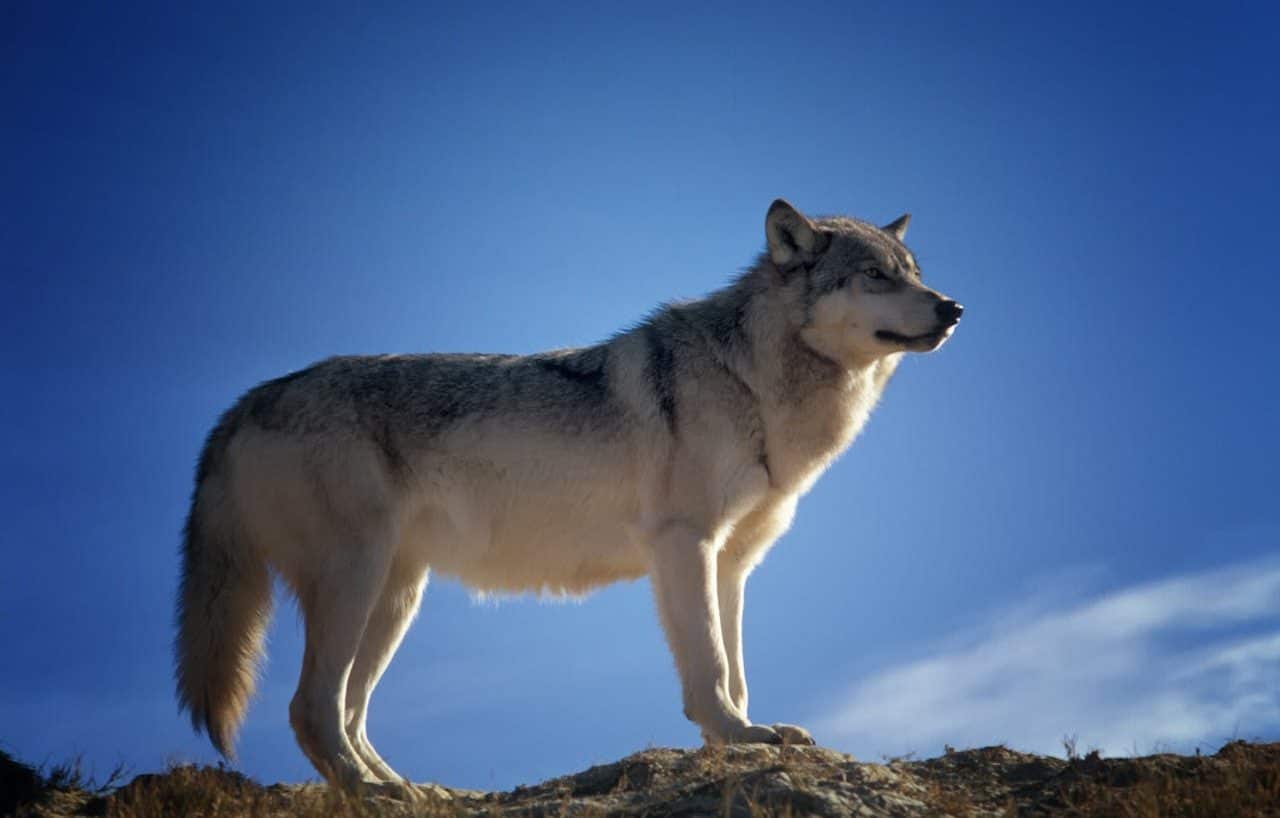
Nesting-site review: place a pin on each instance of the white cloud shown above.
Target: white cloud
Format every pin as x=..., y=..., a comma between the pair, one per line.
x=1193, y=659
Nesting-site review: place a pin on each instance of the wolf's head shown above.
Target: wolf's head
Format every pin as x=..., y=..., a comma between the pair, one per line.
x=859, y=286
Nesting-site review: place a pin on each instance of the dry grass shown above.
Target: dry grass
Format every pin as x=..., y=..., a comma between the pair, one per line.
x=183, y=790
x=1239, y=782
x=950, y=800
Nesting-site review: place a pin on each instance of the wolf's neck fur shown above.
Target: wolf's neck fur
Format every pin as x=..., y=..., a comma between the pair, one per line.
x=811, y=406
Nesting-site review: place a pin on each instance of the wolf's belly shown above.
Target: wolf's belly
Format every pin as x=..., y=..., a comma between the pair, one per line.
x=562, y=534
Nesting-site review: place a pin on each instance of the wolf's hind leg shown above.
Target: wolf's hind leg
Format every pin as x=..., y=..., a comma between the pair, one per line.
x=391, y=617
x=336, y=606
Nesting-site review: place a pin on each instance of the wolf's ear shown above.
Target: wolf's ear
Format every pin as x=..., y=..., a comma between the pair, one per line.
x=898, y=227
x=793, y=239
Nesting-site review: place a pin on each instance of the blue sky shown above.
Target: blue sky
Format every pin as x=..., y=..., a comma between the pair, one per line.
x=1062, y=523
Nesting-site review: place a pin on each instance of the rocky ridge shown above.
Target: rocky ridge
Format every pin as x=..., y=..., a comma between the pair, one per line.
x=1242, y=780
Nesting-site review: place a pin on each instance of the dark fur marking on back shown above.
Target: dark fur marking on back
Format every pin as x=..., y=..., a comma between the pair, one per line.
x=661, y=362
x=723, y=334
x=262, y=403
x=728, y=328
x=585, y=369
x=378, y=395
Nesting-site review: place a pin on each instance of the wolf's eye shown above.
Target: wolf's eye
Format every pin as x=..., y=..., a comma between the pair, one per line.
x=874, y=273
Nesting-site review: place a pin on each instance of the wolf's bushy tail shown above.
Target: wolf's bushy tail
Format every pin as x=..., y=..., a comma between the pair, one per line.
x=224, y=605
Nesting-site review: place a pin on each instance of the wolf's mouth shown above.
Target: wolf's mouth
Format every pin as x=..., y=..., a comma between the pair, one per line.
x=909, y=340
x=924, y=342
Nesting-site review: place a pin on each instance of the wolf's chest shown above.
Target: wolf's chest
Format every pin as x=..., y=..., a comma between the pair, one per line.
x=805, y=437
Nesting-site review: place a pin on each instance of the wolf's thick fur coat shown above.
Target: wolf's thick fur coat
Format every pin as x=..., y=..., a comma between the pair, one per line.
x=676, y=449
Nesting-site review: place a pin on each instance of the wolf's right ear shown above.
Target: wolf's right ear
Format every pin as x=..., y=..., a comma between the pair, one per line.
x=898, y=227
x=793, y=239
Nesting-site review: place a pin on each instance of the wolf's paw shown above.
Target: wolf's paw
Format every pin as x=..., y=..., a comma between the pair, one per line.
x=432, y=792
x=402, y=791
x=754, y=734
x=791, y=734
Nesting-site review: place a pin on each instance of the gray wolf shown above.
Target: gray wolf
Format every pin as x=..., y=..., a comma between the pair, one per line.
x=676, y=449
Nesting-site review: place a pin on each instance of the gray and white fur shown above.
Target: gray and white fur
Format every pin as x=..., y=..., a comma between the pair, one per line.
x=676, y=449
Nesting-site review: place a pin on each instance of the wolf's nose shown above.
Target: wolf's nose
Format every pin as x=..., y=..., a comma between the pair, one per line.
x=949, y=312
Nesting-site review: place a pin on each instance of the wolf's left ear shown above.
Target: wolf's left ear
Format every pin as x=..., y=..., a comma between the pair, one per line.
x=898, y=227
x=793, y=239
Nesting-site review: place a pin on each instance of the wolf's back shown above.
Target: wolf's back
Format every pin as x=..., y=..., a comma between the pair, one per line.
x=224, y=600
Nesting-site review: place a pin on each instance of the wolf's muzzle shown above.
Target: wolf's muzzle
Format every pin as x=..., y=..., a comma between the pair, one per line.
x=949, y=312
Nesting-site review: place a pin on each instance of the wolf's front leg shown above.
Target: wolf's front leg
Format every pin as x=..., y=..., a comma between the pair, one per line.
x=731, y=580
x=684, y=583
